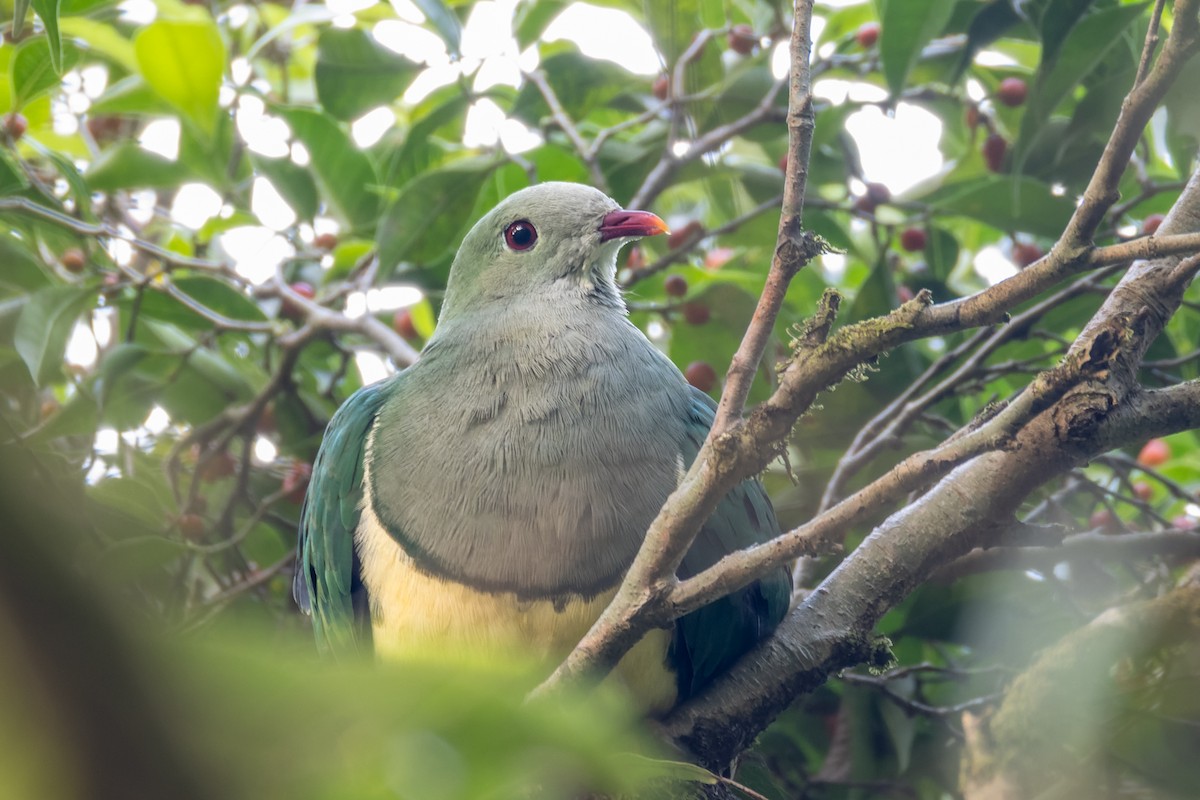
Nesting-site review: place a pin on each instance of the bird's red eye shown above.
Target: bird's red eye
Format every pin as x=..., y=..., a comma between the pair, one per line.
x=520, y=235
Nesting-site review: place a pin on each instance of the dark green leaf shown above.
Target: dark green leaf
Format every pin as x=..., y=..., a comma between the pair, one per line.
x=127, y=165
x=580, y=83
x=208, y=292
x=343, y=173
x=1057, y=21
x=988, y=25
x=430, y=215
x=45, y=326
x=48, y=11
x=906, y=27
x=1023, y=204
x=355, y=73
x=34, y=72
x=1084, y=48
x=531, y=19
x=444, y=21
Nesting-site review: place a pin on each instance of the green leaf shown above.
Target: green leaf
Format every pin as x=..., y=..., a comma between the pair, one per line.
x=355, y=73
x=444, y=21
x=581, y=84
x=101, y=38
x=1057, y=21
x=183, y=60
x=672, y=26
x=208, y=292
x=427, y=219
x=33, y=73
x=20, y=9
x=531, y=19
x=128, y=165
x=130, y=95
x=343, y=173
x=906, y=26
x=12, y=176
x=1082, y=51
x=294, y=183
x=48, y=11
x=1023, y=204
x=45, y=326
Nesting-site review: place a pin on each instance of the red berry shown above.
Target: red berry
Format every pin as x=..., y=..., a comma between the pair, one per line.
x=15, y=126
x=867, y=34
x=864, y=204
x=1183, y=522
x=742, y=39
x=192, y=527
x=325, y=241
x=1025, y=253
x=104, y=127
x=295, y=482
x=913, y=240
x=904, y=293
x=220, y=465
x=293, y=310
x=878, y=193
x=1143, y=491
x=403, y=324
x=1154, y=453
x=1012, y=92
x=1101, y=518
x=73, y=260
x=696, y=313
x=701, y=375
x=1150, y=224
x=661, y=87
x=972, y=116
x=675, y=285
x=995, y=147
x=685, y=235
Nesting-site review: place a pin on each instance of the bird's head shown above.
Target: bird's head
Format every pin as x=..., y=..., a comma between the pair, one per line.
x=562, y=235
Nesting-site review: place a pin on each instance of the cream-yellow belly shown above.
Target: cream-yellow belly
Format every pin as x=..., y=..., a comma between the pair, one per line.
x=415, y=614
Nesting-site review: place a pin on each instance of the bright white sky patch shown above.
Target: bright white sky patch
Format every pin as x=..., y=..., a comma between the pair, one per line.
x=384, y=298
x=608, y=34
x=371, y=126
x=371, y=367
x=411, y=41
x=897, y=151
x=139, y=12
x=195, y=204
x=993, y=266
x=264, y=450
x=269, y=206
x=263, y=134
x=81, y=347
x=161, y=136
x=256, y=252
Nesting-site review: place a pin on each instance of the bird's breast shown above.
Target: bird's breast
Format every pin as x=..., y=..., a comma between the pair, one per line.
x=530, y=469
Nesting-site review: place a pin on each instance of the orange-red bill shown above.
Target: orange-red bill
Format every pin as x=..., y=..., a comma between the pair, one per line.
x=622, y=224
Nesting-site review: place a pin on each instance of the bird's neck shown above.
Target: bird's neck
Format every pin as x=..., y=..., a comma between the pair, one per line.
x=530, y=320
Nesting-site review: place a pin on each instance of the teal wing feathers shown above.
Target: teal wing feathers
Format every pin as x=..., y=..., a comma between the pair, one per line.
x=710, y=639
x=326, y=582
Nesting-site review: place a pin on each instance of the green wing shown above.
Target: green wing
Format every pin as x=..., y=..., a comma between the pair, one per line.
x=710, y=639
x=326, y=583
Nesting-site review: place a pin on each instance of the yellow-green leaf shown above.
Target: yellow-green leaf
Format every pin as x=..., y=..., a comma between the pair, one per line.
x=183, y=60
